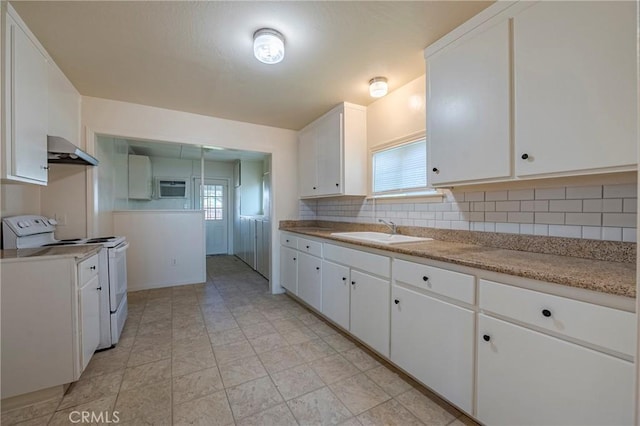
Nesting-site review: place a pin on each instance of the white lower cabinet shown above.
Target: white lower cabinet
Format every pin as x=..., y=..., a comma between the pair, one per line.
x=90, y=319
x=310, y=279
x=433, y=341
x=370, y=310
x=527, y=377
x=335, y=293
x=289, y=269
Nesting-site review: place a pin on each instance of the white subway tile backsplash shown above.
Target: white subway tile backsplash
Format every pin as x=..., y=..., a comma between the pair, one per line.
x=626, y=220
x=496, y=196
x=550, y=193
x=534, y=206
x=612, y=234
x=521, y=194
x=549, y=218
x=509, y=228
x=583, y=192
x=568, y=231
x=592, y=232
x=595, y=212
x=590, y=219
x=629, y=235
x=474, y=196
x=520, y=217
x=628, y=190
x=507, y=206
x=565, y=205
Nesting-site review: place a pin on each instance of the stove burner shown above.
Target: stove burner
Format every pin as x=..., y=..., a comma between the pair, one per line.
x=100, y=239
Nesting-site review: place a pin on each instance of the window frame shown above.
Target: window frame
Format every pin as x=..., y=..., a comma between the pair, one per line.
x=426, y=191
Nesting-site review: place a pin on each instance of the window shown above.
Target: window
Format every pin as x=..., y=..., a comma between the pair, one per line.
x=212, y=202
x=401, y=169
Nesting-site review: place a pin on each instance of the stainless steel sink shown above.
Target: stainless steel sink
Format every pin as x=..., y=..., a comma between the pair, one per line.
x=379, y=237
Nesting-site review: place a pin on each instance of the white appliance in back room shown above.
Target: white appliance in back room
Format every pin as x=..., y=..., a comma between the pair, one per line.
x=30, y=231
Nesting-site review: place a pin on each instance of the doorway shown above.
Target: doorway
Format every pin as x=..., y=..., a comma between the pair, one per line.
x=212, y=197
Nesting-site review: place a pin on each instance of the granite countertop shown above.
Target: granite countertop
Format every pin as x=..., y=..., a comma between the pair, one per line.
x=78, y=252
x=617, y=278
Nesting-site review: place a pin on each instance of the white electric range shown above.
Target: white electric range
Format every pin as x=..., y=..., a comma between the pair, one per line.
x=30, y=231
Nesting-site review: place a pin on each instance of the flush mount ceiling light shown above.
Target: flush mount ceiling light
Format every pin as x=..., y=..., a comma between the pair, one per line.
x=268, y=46
x=378, y=87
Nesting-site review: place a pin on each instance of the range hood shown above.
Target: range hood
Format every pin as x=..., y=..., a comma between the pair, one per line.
x=61, y=151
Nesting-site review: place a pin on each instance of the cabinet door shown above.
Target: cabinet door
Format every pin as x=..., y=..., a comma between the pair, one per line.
x=90, y=319
x=307, y=166
x=329, y=154
x=575, y=86
x=526, y=377
x=433, y=341
x=370, y=310
x=335, y=293
x=310, y=280
x=29, y=103
x=468, y=108
x=289, y=269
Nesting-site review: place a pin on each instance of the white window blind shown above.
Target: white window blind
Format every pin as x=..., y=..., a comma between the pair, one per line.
x=400, y=168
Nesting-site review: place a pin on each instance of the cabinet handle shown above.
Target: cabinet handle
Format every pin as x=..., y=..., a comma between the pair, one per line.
x=525, y=156
x=396, y=301
x=93, y=268
x=353, y=283
x=45, y=167
x=425, y=278
x=486, y=337
x=546, y=313
x=344, y=278
x=435, y=170
x=99, y=288
x=317, y=268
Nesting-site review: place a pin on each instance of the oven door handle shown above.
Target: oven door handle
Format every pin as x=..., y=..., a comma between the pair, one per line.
x=122, y=248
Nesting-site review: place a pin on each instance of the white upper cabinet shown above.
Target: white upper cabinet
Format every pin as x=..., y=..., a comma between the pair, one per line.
x=468, y=108
x=332, y=153
x=575, y=87
x=25, y=115
x=534, y=89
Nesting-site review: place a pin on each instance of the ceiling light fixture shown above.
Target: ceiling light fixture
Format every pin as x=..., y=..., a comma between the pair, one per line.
x=378, y=87
x=268, y=46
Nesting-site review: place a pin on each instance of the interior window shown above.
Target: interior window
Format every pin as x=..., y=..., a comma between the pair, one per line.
x=401, y=169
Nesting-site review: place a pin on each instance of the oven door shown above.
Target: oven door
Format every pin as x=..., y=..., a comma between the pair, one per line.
x=117, y=275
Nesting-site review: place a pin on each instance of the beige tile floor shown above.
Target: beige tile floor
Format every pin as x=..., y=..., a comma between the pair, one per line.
x=227, y=352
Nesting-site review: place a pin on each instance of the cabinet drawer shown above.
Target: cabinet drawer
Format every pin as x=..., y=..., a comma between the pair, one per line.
x=441, y=281
x=87, y=269
x=288, y=240
x=371, y=263
x=605, y=327
x=312, y=247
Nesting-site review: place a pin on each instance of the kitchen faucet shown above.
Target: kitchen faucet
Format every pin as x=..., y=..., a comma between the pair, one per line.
x=392, y=226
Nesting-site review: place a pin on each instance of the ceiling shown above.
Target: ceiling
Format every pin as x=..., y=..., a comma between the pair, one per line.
x=197, y=56
x=190, y=152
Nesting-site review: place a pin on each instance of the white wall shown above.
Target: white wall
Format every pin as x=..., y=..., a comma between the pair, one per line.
x=18, y=198
x=165, y=248
x=251, y=188
x=64, y=199
x=123, y=119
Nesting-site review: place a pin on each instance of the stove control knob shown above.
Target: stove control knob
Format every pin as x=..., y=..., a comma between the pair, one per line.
x=53, y=222
x=23, y=224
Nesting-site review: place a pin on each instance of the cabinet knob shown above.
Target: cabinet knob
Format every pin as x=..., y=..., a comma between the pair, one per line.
x=353, y=283
x=435, y=170
x=287, y=240
x=396, y=301
x=425, y=278
x=295, y=258
x=307, y=247
x=337, y=184
x=486, y=337
x=93, y=268
x=317, y=268
x=525, y=156
x=99, y=288
x=546, y=313
x=344, y=278
x=314, y=187
x=45, y=167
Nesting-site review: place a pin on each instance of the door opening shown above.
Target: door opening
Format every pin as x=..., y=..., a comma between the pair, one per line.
x=213, y=199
